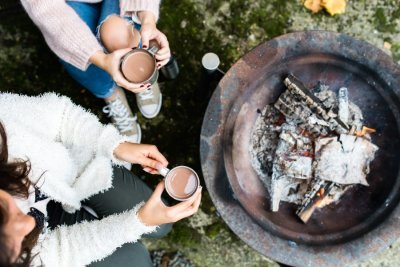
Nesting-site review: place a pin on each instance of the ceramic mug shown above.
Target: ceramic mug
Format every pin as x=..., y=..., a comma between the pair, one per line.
x=181, y=182
x=139, y=66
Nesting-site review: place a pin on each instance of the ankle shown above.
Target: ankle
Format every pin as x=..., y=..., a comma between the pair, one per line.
x=117, y=91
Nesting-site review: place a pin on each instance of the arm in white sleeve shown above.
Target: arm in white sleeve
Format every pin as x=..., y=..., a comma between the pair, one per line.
x=55, y=117
x=81, y=129
x=83, y=243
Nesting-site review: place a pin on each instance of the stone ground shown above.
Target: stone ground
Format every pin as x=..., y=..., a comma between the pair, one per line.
x=194, y=27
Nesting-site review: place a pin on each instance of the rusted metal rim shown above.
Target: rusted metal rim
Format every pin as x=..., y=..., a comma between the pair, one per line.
x=232, y=107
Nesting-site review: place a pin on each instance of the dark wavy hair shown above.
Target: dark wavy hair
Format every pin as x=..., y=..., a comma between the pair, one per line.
x=14, y=180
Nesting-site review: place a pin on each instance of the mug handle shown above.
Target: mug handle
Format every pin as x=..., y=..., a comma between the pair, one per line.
x=164, y=171
x=153, y=50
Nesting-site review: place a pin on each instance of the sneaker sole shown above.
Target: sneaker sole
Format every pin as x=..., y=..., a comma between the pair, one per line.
x=139, y=134
x=155, y=113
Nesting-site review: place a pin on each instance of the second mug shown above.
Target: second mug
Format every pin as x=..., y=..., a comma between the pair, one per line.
x=139, y=66
x=181, y=182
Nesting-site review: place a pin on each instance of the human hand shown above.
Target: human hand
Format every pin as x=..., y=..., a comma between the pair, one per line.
x=147, y=156
x=110, y=63
x=149, y=32
x=155, y=212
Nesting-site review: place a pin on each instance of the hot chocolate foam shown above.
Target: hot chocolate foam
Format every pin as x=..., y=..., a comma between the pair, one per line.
x=182, y=182
x=138, y=66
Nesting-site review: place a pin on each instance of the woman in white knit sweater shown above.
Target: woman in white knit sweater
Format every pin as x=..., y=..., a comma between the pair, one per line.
x=57, y=158
x=70, y=28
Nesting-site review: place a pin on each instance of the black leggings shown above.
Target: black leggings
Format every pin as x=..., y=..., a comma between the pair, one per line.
x=127, y=191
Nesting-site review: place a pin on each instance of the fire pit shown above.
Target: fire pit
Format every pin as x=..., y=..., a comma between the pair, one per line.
x=366, y=219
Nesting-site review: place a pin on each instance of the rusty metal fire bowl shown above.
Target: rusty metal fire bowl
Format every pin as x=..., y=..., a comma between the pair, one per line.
x=366, y=219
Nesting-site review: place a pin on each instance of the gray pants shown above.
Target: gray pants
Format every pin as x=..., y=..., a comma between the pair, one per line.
x=127, y=191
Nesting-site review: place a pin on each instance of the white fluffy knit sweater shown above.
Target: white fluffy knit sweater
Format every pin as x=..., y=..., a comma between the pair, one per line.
x=67, y=34
x=71, y=156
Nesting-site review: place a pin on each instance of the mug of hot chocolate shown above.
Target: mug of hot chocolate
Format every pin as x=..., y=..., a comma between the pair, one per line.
x=181, y=182
x=139, y=66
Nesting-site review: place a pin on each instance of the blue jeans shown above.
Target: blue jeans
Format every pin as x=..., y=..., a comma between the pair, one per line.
x=94, y=79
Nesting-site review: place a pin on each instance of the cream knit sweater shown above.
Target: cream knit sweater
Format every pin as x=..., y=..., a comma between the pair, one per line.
x=67, y=34
x=71, y=156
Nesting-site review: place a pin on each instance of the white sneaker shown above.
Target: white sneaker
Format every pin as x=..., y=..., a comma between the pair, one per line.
x=122, y=118
x=149, y=102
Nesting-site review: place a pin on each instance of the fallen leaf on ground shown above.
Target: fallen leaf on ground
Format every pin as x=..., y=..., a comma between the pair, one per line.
x=387, y=45
x=313, y=5
x=334, y=7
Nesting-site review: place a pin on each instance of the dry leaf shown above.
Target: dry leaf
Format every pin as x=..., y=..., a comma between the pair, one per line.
x=334, y=7
x=387, y=45
x=313, y=5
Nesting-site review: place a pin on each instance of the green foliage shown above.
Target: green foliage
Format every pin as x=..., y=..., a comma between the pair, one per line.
x=384, y=19
x=214, y=229
x=183, y=235
x=396, y=51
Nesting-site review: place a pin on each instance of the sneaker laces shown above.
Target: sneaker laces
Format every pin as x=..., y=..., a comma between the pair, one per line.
x=148, y=94
x=122, y=119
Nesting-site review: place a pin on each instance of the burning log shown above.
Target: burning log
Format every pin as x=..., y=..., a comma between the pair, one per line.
x=317, y=197
x=296, y=110
x=315, y=104
x=364, y=131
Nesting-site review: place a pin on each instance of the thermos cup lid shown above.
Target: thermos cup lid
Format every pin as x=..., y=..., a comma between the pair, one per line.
x=210, y=61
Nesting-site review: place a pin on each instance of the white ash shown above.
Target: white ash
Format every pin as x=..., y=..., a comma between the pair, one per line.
x=288, y=190
x=290, y=165
x=283, y=141
x=264, y=140
x=344, y=160
x=343, y=99
x=296, y=166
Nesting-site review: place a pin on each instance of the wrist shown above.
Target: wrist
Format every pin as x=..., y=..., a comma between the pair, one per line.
x=119, y=151
x=99, y=59
x=141, y=217
x=147, y=17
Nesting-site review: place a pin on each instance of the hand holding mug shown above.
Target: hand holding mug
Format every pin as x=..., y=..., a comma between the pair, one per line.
x=149, y=32
x=155, y=212
x=152, y=33
x=147, y=156
x=181, y=182
x=111, y=63
x=139, y=66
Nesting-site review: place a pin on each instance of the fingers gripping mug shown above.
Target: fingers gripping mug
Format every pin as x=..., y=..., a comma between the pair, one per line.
x=139, y=66
x=181, y=182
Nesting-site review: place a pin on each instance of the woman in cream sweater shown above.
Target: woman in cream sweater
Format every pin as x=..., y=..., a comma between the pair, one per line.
x=70, y=28
x=55, y=159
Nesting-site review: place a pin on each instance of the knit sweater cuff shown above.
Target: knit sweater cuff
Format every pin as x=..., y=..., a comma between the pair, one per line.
x=130, y=7
x=109, y=140
x=81, y=58
x=142, y=227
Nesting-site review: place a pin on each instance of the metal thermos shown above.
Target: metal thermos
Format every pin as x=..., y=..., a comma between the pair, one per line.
x=209, y=77
x=171, y=70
